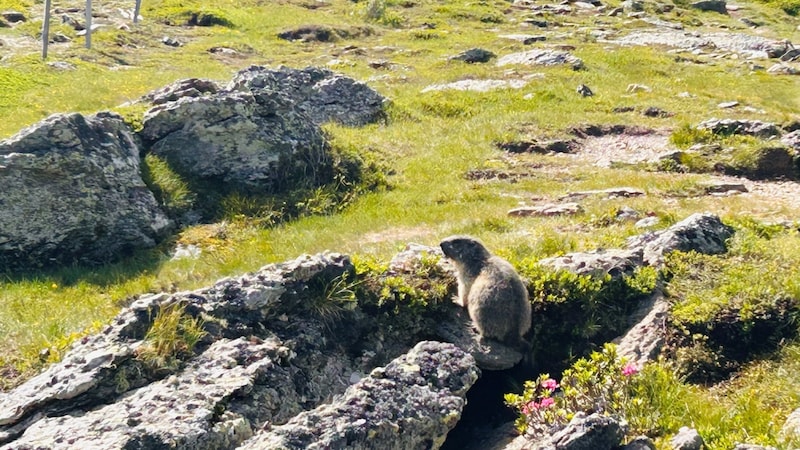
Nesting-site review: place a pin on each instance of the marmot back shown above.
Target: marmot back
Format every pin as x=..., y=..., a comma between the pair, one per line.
x=491, y=290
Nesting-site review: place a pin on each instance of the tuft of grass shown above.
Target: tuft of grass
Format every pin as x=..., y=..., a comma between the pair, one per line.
x=170, y=189
x=171, y=337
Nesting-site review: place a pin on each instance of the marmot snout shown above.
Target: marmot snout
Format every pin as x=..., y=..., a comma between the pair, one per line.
x=491, y=290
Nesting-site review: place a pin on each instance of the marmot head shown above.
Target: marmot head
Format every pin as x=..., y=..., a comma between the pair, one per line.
x=464, y=249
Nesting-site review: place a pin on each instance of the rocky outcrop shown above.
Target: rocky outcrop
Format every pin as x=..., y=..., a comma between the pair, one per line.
x=725, y=127
x=321, y=94
x=687, y=439
x=541, y=58
x=412, y=403
x=272, y=349
x=700, y=232
x=73, y=191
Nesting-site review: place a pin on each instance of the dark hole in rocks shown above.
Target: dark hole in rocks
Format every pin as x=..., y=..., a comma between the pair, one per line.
x=486, y=419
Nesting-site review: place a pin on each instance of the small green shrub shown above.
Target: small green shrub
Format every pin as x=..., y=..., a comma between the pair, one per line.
x=602, y=383
x=580, y=310
x=687, y=135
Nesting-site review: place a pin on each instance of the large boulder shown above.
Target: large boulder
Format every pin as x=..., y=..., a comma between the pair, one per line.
x=254, y=142
x=410, y=404
x=320, y=93
x=700, y=232
x=73, y=191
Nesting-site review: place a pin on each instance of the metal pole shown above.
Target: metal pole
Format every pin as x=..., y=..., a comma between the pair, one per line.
x=46, y=29
x=88, y=23
x=136, y=11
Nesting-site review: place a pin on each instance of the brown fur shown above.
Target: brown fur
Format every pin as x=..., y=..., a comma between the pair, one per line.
x=491, y=290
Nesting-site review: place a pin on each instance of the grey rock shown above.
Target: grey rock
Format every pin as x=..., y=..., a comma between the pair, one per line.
x=687, y=439
x=244, y=376
x=60, y=38
x=476, y=85
x=61, y=65
x=791, y=427
x=72, y=191
x=632, y=5
x=540, y=58
x=320, y=93
x=792, y=140
x=550, y=209
x=700, y=232
x=599, y=263
x=248, y=141
x=719, y=6
x=412, y=403
x=723, y=187
x=647, y=222
x=791, y=54
x=752, y=447
x=640, y=443
x=614, y=192
x=190, y=87
x=525, y=39
x=745, y=44
x=726, y=127
x=171, y=42
x=13, y=16
x=644, y=341
x=474, y=55
x=783, y=69
x=728, y=105
x=584, y=90
x=594, y=432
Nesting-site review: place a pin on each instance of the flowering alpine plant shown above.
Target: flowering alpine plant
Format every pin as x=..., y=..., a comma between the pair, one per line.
x=601, y=383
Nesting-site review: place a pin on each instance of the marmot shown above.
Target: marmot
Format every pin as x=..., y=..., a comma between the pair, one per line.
x=491, y=290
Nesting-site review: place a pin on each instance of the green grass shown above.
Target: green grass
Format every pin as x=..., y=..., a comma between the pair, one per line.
x=429, y=143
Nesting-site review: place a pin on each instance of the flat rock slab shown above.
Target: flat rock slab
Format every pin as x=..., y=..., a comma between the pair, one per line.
x=754, y=46
x=477, y=85
x=550, y=209
x=610, y=193
x=541, y=58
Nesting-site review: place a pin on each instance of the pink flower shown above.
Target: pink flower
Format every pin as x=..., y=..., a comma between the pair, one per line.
x=550, y=384
x=546, y=402
x=630, y=369
x=529, y=407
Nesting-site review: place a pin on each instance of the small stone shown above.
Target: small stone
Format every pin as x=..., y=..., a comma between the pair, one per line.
x=687, y=439
x=60, y=38
x=171, y=42
x=640, y=443
x=647, y=222
x=654, y=111
x=615, y=12
x=633, y=87
x=547, y=210
x=728, y=105
x=783, y=69
x=722, y=187
x=584, y=90
x=525, y=39
x=719, y=6
x=473, y=56
x=61, y=65
x=749, y=23
x=13, y=16
x=223, y=51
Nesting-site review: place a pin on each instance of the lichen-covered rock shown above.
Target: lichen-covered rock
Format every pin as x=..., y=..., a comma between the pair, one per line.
x=700, y=232
x=593, y=432
x=320, y=93
x=644, y=341
x=248, y=141
x=255, y=365
x=190, y=87
x=474, y=55
x=792, y=140
x=541, y=58
x=73, y=191
x=598, y=263
x=412, y=403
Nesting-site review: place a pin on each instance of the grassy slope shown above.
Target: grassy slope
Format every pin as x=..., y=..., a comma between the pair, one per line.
x=431, y=141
